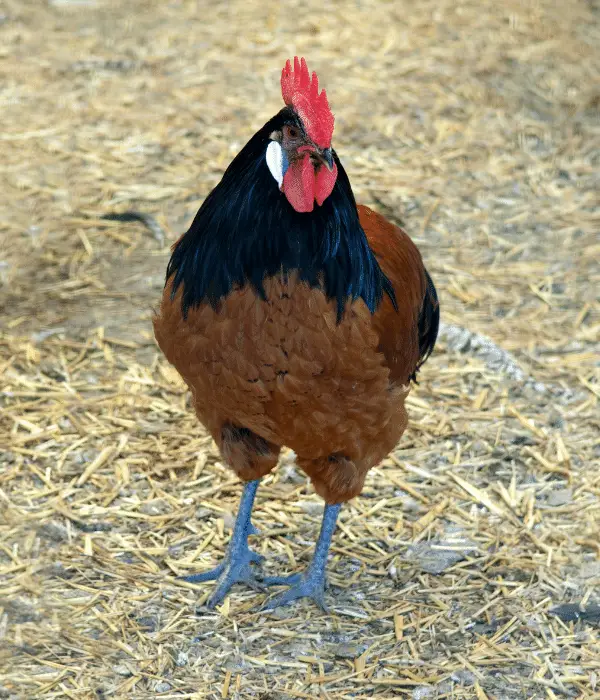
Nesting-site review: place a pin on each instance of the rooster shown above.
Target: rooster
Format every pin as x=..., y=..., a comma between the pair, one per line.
x=297, y=319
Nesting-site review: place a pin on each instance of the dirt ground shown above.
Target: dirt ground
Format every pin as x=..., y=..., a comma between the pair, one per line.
x=476, y=125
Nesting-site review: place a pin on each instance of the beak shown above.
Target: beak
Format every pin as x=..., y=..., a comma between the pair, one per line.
x=327, y=158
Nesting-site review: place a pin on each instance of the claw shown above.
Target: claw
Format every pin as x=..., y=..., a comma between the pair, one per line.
x=307, y=587
x=243, y=574
x=233, y=569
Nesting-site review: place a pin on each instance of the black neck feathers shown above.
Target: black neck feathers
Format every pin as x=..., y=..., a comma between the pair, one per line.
x=246, y=230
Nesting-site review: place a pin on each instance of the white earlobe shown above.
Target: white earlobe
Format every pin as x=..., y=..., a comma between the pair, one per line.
x=275, y=161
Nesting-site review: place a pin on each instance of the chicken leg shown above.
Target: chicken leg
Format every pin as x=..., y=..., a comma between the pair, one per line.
x=310, y=584
x=236, y=566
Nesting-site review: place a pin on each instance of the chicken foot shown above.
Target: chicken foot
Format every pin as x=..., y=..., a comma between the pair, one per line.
x=236, y=565
x=310, y=584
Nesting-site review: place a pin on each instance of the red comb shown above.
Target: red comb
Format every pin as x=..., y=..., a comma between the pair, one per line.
x=302, y=93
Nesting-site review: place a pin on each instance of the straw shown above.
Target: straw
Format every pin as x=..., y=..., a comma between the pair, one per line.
x=474, y=123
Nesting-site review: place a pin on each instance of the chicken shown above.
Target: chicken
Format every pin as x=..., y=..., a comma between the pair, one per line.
x=297, y=319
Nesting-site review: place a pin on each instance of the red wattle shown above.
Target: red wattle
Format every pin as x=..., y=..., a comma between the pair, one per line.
x=324, y=183
x=301, y=185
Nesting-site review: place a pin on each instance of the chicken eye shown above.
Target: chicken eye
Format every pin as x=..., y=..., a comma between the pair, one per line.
x=291, y=132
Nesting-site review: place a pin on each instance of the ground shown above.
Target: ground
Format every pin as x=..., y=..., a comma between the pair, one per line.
x=477, y=125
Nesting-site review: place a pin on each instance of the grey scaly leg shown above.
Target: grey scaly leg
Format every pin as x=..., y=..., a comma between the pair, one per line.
x=311, y=584
x=235, y=567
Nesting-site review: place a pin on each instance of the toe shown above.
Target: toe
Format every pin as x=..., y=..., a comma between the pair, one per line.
x=204, y=575
x=256, y=558
x=281, y=580
x=300, y=590
x=243, y=574
x=237, y=568
x=319, y=598
x=280, y=599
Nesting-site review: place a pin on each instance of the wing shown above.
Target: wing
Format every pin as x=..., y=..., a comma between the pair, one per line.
x=429, y=324
x=408, y=334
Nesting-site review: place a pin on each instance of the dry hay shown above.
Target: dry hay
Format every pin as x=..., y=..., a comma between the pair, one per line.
x=477, y=124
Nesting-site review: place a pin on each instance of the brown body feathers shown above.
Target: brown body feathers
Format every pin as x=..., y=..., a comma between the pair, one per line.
x=283, y=371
